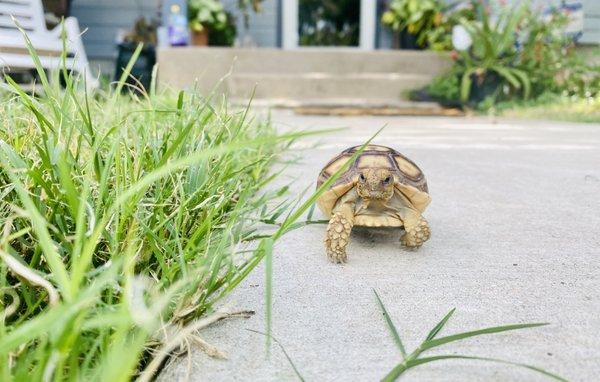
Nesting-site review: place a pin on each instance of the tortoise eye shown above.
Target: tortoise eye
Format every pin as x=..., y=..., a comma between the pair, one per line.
x=361, y=177
x=387, y=180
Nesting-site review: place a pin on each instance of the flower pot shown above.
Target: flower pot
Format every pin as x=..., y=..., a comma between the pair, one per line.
x=483, y=86
x=141, y=72
x=200, y=38
x=408, y=41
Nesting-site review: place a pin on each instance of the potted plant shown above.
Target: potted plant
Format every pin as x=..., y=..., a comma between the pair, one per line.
x=412, y=19
x=205, y=16
x=143, y=32
x=492, y=60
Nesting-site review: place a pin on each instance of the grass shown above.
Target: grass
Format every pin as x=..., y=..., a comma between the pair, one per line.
x=555, y=108
x=124, y=219
x=432, y=340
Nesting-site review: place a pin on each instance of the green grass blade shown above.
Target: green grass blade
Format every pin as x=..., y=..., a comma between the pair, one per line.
x=420, y=361
x=66, y=181
x=395, y=373
x=390, y=325
x=285, y=353
x=461, y=336
x=185, y=162
x=34, y=56
x=45, y=322
x=267, y=247
x=128, y=68
x=39, y=226
x=440, y=325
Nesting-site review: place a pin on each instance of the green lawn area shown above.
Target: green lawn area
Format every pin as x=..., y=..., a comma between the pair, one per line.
x=555, y=108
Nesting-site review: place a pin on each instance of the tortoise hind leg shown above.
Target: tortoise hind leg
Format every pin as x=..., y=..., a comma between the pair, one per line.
x=338, y=233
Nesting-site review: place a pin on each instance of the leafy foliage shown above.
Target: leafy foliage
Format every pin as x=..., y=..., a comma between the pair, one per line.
x=494, y=51
x=225, y=35
x=431, y=21
x=208, y=14
x=516, y=54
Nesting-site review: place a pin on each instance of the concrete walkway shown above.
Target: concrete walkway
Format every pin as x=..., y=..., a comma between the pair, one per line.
x=515, y=219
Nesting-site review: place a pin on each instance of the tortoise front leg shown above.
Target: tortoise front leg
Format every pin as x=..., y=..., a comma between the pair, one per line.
x=417, y=232
x=415, y=225
x=338, y=233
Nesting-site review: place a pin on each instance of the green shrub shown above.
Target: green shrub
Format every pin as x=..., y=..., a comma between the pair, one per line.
x=446, y=87
x=430, y=21
x=208, y=14
x=517, y=55
x=494, y=52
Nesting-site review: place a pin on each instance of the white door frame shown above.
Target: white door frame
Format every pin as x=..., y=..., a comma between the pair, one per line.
x=367, y=28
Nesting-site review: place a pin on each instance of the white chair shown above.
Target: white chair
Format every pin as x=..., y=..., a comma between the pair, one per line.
x=48, y=44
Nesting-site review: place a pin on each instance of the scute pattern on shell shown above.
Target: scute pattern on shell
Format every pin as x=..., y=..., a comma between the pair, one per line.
x=406, y=171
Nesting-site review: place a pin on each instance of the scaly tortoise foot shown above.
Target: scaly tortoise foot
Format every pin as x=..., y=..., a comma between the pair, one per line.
x=416, y=235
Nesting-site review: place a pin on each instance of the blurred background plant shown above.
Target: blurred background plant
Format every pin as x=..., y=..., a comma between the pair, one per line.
x=425, y=24
x=210, y=23
x=143, y=32
x=514, y=54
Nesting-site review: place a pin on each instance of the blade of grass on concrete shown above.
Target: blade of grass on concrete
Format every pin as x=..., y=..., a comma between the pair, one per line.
x=391, y=325
x=285, y=353
x=428, y=344
x=424, y=360
x=440, y=325
x=267, y=247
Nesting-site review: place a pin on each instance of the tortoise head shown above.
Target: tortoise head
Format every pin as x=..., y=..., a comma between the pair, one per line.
x=376, y=184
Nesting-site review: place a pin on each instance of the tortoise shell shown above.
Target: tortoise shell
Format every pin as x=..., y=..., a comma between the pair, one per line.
x=409, y=180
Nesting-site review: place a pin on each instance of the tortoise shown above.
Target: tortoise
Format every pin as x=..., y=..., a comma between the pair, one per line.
x=382, y=188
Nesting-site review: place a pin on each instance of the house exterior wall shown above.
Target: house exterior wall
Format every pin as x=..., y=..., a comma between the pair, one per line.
x=591, y=8
x=104, y=18
x=263, y=28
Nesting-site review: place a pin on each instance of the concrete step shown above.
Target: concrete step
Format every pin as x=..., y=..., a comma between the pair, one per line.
x=295, y=77
x=323, y=86
x=339, y=62
x=193, y=61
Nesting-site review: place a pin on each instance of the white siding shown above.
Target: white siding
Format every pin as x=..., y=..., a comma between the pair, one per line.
x=592, y=21
x=262, y=27
x=103, y=19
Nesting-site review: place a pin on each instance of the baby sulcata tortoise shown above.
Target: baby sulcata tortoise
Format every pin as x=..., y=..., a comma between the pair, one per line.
x=382, y=188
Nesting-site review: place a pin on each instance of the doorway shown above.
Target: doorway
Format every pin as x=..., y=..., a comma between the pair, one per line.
x=346, y=24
